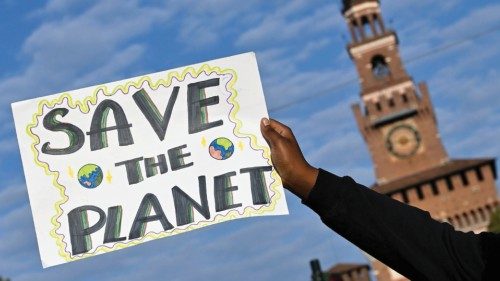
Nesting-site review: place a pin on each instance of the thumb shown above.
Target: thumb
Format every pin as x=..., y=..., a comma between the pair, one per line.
x=270, y=135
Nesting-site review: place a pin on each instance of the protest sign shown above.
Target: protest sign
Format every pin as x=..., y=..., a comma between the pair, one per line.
x=118, y=164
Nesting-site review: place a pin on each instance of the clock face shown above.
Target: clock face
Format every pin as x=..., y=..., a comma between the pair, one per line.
x=403, y=141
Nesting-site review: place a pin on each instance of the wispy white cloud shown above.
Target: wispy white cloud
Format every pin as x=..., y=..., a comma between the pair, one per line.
x=479, y=19
x=8, y=144
x=18, y=239
x=312, y=47
x=120, y=60
x=465, y=93
x=278, y=27
x=421, y=35
x=64, y=49
x=207, y=22
x=17, y=247
x=283, y=89
x=399, y=9
x=13, y=195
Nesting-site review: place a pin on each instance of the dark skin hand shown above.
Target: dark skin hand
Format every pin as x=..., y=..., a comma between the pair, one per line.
x=297, y=175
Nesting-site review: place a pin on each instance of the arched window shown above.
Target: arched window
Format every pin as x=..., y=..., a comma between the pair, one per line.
x=355, y=32
x=466, y=219
x=474, y=217
x=376, y=26
x=366, y=26
x=482, y=215
x=380, y=69
x=459, y=221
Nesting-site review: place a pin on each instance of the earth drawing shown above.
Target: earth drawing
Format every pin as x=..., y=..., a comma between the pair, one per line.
x=90, y=176
x=221, y=148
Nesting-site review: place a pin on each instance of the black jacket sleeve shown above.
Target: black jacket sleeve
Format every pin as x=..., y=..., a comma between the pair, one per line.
x=403, y=237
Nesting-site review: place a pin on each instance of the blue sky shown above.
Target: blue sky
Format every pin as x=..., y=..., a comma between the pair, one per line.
x=53, y=46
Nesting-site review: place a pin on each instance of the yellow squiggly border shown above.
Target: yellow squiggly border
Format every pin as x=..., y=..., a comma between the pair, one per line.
x=84, y=107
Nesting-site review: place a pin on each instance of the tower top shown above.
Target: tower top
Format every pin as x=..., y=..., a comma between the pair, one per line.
x=348, y=4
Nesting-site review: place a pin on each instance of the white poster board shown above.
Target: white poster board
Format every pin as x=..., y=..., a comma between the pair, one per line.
x=119, y=164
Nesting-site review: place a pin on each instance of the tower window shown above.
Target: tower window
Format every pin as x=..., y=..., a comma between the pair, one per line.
x=358, y=30
x=366, y=26
x=466, y=219
x=474, y=217
x=481, y=214
x=391, y=102
x=489, y=210
x=379, y=23
x=355, y=33
x=459, y=221
x=376, y=26
x=380, y=69
x=378, y=106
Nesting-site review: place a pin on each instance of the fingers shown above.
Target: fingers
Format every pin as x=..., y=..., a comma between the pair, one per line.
x=269, y=133
x=281, y=129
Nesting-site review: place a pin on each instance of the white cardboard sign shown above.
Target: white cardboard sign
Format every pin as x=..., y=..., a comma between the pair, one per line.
x=119, y=164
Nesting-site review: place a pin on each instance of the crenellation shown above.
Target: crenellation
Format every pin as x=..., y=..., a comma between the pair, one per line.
x=420, y=193
x=442, y=186
x=412, y=195
x=464, y=178
x=449, y=183
x=398, y=101
x=427, y=190
x=434, y=188
x=456, y=180
x=404, y=196
x=471, y=177
x=488, y=172
x=397, y=196
x=384, y=105
x=370, y=108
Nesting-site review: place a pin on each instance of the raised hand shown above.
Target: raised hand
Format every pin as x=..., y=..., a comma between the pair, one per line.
x=297, y=175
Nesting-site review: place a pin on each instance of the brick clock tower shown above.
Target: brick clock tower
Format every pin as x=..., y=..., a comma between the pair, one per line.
x=399, y=125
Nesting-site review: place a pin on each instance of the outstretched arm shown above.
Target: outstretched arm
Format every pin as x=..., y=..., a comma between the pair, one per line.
x=405, y=238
